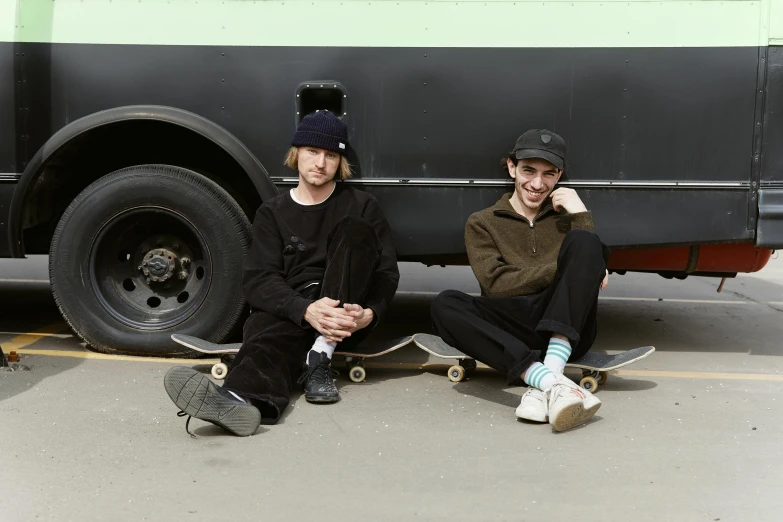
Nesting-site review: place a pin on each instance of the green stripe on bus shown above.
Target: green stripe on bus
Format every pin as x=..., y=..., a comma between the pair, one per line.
x=389, y=23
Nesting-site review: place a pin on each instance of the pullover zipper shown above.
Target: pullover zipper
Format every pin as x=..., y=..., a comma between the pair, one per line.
x=533, y=227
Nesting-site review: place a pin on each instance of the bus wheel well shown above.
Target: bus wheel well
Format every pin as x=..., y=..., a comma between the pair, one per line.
x=107, y=148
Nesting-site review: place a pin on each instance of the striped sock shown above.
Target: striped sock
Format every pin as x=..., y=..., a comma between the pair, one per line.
x=539, y=376
x=557, y=354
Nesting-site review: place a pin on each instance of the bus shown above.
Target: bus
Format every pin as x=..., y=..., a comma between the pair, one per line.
x=138, y=137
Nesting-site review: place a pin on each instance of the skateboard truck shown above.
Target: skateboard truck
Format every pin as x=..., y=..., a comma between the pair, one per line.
x=463, y=370
x=356, y=371
x=591, y=379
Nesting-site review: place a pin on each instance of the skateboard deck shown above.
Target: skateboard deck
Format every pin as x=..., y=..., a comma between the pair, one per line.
x=436, y=346
x=200, y=345
x=594, y=366
x=354, y=359
x=603, y=362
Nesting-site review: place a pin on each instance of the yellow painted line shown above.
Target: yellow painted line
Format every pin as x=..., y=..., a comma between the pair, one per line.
x=639, y=299
x=61, y=336
x=701, y=375
x=400, y=366
x=20, y=341
x=666, y=300
x=109, y=357
x=629, y=373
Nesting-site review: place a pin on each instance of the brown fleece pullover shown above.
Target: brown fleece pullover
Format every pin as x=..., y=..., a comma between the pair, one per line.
x=512, y=256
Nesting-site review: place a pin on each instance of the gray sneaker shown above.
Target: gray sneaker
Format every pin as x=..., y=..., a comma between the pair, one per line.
x=197, y=396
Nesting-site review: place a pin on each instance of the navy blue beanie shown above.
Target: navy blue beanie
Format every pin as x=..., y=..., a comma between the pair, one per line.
x=322, y=130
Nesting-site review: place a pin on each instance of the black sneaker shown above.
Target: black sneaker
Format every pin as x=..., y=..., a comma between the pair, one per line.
x=198, y=397
x=317, y=379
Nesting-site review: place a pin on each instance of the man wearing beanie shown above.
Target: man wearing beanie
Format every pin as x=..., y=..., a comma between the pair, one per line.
x=321, y=271
x=540, y=267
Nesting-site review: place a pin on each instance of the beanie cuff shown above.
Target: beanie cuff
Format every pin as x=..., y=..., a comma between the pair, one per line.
x=303, y=138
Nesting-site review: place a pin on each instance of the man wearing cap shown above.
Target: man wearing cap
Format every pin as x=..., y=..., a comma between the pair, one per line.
x=321, y=271
x=540, y=267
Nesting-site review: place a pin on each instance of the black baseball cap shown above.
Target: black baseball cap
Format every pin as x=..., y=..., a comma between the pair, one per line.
x=543, y=144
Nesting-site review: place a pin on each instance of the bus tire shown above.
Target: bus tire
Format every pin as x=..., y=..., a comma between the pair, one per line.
x=148, y=251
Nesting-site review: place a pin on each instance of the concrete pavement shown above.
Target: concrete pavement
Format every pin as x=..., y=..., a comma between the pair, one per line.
x=98, y=439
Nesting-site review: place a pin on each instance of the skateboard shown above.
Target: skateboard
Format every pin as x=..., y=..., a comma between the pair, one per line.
x=354, y=359
x=594, y=366
x=438, y=347
x=226, y=352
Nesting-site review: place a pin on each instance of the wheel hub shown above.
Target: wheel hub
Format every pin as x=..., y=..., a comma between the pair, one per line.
x=160, y=264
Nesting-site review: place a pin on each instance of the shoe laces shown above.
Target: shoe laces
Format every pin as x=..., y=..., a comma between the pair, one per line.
x=187, y=423
x=562, y=388
x=321, y=373
x=534, y=393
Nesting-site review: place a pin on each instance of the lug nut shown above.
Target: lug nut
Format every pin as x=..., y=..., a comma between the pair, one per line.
x=185, y=261
x=183, y=274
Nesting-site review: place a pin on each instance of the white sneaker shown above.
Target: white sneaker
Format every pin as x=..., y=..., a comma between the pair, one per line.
x=570, y=405
x=533, y=406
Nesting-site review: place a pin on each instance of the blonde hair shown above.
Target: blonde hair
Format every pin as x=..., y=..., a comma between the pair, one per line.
x=292, y=162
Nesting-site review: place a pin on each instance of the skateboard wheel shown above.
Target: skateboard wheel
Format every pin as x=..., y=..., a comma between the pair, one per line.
x=589, y=384
x=603, y=377
x=456, y=373
x=219, y=371
x=357, y=374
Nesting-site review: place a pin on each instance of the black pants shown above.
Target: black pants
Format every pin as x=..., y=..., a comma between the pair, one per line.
x=511, y=333
x=273, y=349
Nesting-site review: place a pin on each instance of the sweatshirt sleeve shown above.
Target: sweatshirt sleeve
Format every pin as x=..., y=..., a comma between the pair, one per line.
x=582, y=221
x=384, y=283
x=263, y=283
x=496, y=277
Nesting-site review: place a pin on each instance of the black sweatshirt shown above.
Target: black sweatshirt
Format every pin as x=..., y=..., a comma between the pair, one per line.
x=289, y=251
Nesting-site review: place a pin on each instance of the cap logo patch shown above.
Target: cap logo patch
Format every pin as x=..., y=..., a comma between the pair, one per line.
x=341, y=145
x=546, y=138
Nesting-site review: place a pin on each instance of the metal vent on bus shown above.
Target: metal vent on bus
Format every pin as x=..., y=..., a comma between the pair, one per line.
x=321, y=95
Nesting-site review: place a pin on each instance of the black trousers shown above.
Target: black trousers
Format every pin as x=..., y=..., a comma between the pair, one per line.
x=273, y=349
x=511, y=333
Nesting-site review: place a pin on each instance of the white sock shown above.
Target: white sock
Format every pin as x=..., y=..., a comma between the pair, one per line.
x=557, y=354
x=237, y=396
x=539, y=376
x=322, y=346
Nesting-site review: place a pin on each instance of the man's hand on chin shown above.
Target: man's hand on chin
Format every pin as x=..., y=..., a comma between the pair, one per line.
x=568, y=200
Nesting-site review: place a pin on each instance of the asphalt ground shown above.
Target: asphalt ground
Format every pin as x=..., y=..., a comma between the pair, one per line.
x=691, y=433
